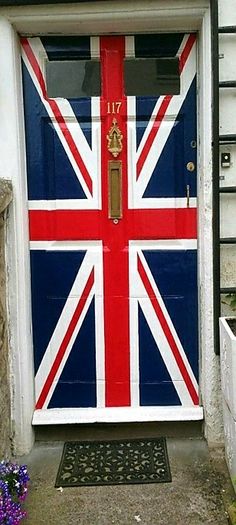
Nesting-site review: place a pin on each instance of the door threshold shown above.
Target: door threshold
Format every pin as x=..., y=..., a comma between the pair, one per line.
x=59, y=416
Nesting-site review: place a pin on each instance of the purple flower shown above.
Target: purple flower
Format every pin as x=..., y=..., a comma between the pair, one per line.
x=13, y=490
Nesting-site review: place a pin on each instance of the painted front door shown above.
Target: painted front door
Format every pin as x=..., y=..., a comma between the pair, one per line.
x=111, y=161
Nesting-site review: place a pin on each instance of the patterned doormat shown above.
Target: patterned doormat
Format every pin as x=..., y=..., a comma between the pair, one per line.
x=86, y=463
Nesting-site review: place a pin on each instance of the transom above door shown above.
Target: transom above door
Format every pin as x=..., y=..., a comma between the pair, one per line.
x=111, y=159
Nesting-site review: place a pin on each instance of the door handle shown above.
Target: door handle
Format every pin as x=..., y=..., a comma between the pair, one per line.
x=188, y=194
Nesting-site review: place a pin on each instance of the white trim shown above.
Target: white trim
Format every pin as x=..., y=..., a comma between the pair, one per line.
x=90, y=204
x=162, y=244
x=59, y=416
x=134, y=337
x=165, y=244
x=99, y=329
x=209, y=362
x=65, y=245
x=64, y=204
x=164, y=202
x=97, y=18
x=129, y=47
x=131, y=148
x=182, y=45
x=95, y=47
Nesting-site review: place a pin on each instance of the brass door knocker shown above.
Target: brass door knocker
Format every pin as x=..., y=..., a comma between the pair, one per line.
x=114, y=139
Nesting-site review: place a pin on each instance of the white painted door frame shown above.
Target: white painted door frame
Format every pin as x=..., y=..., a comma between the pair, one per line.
x=96, y=18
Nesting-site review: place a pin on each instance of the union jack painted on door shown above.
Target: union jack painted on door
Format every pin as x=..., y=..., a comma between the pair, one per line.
x=114, y=302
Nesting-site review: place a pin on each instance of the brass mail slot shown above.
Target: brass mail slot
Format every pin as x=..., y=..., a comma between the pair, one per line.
x=115, y=189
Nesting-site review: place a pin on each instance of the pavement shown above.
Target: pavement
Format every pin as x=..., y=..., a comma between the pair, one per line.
x=200, y=491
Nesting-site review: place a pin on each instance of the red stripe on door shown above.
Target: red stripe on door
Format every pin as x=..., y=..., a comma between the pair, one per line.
x=115, y=254
x=60, y=225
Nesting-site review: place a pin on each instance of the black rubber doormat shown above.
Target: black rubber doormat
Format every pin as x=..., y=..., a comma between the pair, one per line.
x=120, y=462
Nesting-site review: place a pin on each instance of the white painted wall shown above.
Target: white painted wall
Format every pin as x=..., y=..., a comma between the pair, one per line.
x=227, y=64
x=113, y=16
x=209, y=362
x=227, y=49
x=12, y=167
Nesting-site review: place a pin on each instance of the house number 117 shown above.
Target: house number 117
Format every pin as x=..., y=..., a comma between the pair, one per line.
x=113, y=107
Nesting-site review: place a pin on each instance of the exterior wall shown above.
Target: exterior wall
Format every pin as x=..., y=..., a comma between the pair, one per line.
x=5, y=420
x=17, y=252
x=227, y=71
x=209, y=361
x=100, y=17
x=227, y=67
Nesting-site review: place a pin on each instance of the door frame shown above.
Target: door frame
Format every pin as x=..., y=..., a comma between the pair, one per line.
x=98, y=18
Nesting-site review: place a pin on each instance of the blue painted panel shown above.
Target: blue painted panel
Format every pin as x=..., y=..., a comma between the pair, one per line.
x=160, y=45
x=66, y=47
x=189, y=112
x=168, y=179
x=175, y=273
x=50, y=173
x=34, y=112
x=144, y=109
x=156, y=387
x=170, y=175
x=82, y=110
x=52, y=277
x=61, y=181
x=77, y=384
